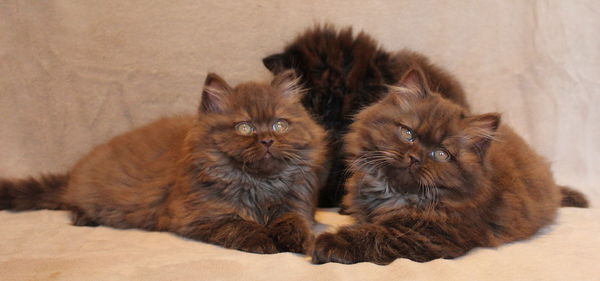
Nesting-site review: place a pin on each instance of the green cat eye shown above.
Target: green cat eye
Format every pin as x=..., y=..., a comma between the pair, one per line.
x=280, y=126
x=440, y=155
x=244, y=128
x=407, y=134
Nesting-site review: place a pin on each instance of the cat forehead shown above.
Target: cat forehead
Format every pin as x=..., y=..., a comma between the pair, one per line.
x=437, y=111
x=432, y=119
x=258, y=101
x=249, y=92
x=435, y=128
x=435, y=119
x=423, y=109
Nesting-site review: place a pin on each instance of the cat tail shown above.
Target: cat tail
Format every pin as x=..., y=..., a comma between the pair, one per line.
x=44, y=192
x=572, y=198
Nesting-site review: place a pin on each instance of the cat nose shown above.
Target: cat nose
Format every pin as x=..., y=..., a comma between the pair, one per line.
x=414, y=159
x=267, y=142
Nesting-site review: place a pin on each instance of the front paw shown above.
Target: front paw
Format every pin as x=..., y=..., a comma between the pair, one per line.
x=258, y=242
x=291, y=233
x=330, y=247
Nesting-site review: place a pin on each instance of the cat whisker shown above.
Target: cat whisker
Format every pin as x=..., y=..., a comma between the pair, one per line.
x=369, y=164
x=294, y=157
x=367, y=159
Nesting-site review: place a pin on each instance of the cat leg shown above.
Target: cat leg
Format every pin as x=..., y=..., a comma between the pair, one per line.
x=291, y=233
x=383, y=243
x=230, y=231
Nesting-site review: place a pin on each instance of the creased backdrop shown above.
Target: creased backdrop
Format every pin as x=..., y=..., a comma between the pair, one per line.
x=75, y=73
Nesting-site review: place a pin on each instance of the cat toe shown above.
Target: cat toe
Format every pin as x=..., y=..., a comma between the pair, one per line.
x=291, y=234
x=329, y=247
x=295, y=244
x=258, y=243
x=78, y=218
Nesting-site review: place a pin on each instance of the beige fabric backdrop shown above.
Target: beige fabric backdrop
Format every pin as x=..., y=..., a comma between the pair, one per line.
x=75, y=73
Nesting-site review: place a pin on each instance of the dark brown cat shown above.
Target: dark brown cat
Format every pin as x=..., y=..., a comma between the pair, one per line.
x=343, y=74
x=432, y=181
x=241, y=174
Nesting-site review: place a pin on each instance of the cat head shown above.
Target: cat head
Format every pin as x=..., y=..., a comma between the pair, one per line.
x=419, y=140
x=260, y=127
x=335, y=64
x=325, y=50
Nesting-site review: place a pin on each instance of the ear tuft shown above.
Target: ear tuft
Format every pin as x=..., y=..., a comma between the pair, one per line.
x=415, y=80
x=276, y=63
x=213, y=94
x=488, y=121
x=482, y=130
x=288, y=83
x=412, y=86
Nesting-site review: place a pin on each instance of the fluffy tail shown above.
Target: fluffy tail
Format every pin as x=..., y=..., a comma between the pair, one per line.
x=572, y=198
x=33, y=193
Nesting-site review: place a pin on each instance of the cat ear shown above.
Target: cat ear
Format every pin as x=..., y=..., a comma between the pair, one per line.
x=415, y=80
x=213, y=94
x=288, y=83
x=482, y=130
x=412, y=85
x=277, y=63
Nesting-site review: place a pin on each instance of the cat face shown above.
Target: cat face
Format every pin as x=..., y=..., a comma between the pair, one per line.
x=262, y=128
x=416, y=139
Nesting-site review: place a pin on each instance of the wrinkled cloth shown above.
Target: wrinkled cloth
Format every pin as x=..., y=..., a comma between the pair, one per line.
x=73, y=74
x=41, y=245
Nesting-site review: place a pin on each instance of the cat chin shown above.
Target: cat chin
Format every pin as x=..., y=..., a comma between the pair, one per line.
x=263, y=166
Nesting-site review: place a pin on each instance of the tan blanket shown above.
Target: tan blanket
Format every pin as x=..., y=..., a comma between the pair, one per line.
x=41, y=245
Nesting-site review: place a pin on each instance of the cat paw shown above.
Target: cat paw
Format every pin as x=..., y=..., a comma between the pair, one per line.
x=259, y=243
x=79, y=218
x=343, y=210
x=330, y=247
x=291, y=233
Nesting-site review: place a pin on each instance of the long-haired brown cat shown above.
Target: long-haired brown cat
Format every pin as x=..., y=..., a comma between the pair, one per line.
x=344, y=73
x=431, y=181
x=241, y=174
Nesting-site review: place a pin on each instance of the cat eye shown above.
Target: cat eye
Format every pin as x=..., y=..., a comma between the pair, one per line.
x=280, y=126
x=407, y=134
x=440, y=155
x=244, y=128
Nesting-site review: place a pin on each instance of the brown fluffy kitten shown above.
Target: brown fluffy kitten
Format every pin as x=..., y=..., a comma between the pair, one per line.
x=241, y=174
x=344, y=73
x=432, y=181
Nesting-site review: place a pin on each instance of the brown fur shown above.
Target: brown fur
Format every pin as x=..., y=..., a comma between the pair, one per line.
x=494, y=189
x=573, y=198
x=345, y=73
x=32, y=194
x=195, y=176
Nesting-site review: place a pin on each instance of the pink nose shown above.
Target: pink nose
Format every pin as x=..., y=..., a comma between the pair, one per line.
x=267, y=142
